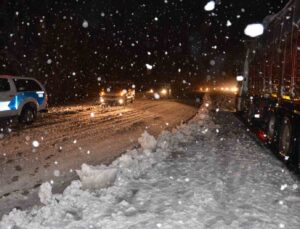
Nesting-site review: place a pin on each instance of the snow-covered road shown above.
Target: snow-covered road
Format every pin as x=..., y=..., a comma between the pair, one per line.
x=209, y=173
x=69, y=136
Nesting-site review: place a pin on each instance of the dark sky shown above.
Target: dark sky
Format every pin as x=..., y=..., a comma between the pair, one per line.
x=48, y=39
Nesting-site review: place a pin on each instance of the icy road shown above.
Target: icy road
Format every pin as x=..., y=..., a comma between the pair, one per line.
x=209, y=173
x=57, y=144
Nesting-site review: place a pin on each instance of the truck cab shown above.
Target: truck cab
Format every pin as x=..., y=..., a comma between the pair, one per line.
x=21, y=97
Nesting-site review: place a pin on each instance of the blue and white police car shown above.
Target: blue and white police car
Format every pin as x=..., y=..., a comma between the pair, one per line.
x=22, y=97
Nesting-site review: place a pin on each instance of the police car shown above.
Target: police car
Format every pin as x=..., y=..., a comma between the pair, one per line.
x=22, y=97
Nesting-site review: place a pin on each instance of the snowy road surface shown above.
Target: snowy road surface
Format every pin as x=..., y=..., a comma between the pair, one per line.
x=209, y=173
x=71, y=135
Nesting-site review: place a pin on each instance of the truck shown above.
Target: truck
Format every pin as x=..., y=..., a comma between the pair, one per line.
x=118, y=93
x=269, y=93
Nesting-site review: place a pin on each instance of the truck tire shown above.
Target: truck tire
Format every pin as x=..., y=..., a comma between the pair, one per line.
x=286, y=138
x=28, y=114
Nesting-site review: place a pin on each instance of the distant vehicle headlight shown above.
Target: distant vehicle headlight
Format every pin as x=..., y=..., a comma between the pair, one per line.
x=123, y=92
x=102, y=93
x=234, y=89
x=101, y=100
x=164, y=91
x=151, y=91
x=121, y=101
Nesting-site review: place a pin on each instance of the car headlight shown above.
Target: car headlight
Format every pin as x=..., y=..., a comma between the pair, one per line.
x=121, y=101
x=151, y=91
x=164, y=91
x=102, y=93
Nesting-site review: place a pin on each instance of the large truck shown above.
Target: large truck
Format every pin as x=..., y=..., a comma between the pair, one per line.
x=269, y=94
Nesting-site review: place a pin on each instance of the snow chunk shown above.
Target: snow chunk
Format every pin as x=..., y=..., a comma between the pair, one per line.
x=147, y=141
x=210, y=6
x=45, y=193
x=254, y=30
x=96, y=177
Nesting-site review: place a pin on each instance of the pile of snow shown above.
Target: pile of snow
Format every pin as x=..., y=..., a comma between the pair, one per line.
x=45, y=193
x=190, y=177
x=147, y=142
x=97, y=177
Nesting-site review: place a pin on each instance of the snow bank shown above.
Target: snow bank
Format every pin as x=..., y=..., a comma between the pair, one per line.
x=190, y=177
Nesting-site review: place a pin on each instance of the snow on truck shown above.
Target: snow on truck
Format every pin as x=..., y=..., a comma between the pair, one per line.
x=269, y=93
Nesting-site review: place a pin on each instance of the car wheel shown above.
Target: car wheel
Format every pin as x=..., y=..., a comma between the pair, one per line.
x=28, y=115
x=271, y=128
x=286, y=137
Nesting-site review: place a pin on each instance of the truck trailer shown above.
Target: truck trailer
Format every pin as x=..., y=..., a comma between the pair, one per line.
x=269, y=94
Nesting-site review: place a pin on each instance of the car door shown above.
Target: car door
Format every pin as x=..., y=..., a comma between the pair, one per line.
x=7, y=92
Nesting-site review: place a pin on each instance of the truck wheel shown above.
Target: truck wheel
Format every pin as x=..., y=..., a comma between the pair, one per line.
x=28, y=114
x=286, y=138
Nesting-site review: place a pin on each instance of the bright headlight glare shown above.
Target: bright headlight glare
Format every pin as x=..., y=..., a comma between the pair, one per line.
x=234, y=89
x=121, y=101
x=123, y=92
x=164, y=91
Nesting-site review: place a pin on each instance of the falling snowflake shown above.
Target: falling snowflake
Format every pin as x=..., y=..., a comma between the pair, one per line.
x=210, y=6
x=35, y=144
x=85, y=24
x=149, y=66
x=156, y=96
x=254, y=30
x=228, y=23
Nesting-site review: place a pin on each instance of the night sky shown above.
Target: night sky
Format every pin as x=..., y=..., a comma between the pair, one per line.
x=73, y=46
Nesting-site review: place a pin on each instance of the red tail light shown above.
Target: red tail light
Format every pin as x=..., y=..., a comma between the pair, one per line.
x=261, y=135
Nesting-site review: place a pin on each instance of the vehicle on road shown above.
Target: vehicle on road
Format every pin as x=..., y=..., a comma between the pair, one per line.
x=269, y=94
x=21, y=97
x=117, y=93
x=159, y=91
